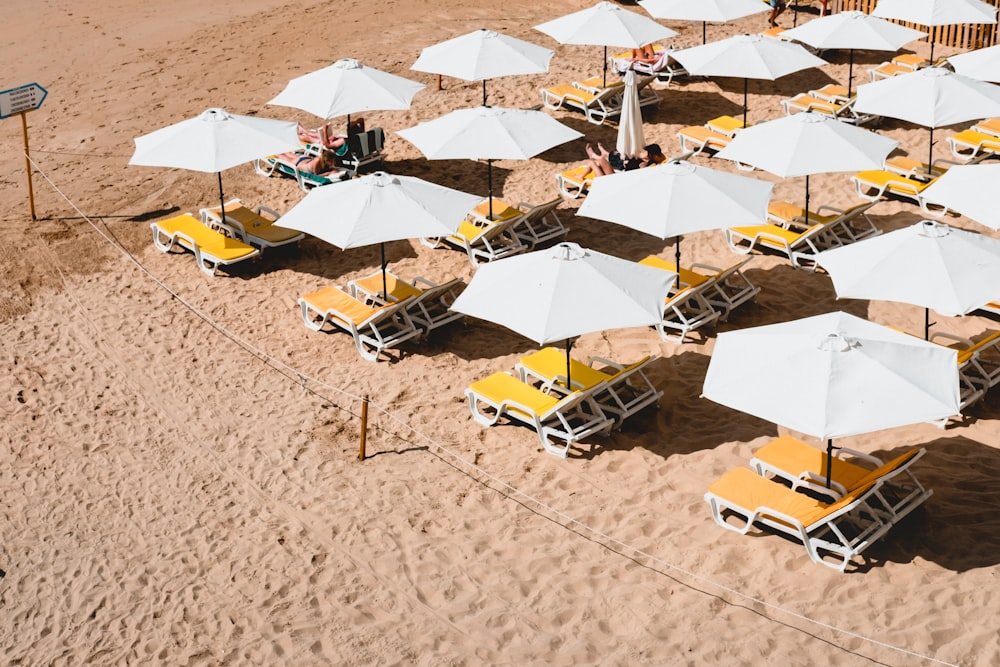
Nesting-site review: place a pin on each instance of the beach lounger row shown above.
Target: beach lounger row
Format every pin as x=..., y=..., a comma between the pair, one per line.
x=599, y=396
x=597, y=100
x=376, y=320
x=828, y=102
x=576, y=182
x=709, y=138
x=785, y=490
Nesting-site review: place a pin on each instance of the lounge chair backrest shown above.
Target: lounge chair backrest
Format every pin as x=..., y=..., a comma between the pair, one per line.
x=890, y=468
x=367, y=143
x=540, y=211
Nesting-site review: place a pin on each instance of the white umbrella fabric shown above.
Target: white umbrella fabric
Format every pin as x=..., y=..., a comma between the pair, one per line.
x=488, y=133
x=347, y=87
x=481, y=55
x=747, y=57
x=379, y=207
x=929, y=264
x=933, y=13
x=215, y=140
x=970, y=189
x=808, y=143
x=853, y=30
x=689, y=198
x=982, y=64
x=630, y=135
x=714, y=11
x=833, y=375
x=932, y=97
x=565, y=291
x=606, y=24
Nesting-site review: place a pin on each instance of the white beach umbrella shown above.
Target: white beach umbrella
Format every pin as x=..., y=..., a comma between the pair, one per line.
x=482, y=55
x=808, y=143
x=706, y=11
x=379, y=207
x=215, y=140
x=606, y=24
x=970, y=189
x=747, y=57
x=929, y=264
x=565, y=291
x=932, y=97
x=982, y=64
x=853, y=30
x=933, y=13
x=688, y=198
x=488, y=133
x=630, y=135
x=833, y=375
x=347, y=87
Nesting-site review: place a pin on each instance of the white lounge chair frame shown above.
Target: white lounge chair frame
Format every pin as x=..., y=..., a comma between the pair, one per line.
x=495, y=241
x=539, y=224
x=166, y=241
x=210, y=217
x=430, y=309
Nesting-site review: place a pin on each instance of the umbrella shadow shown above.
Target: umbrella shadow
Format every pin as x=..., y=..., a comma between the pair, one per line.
x=479, y=339
x=787, y=294
x=680, y=104
x=786, y=86
x=323, y=260
x=466, y=175
x=957, y=527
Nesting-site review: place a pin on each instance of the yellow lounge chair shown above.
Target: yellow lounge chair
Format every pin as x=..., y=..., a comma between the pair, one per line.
x=596, y=105
x=253, y=226
x=430, y=305
x=574, y=183
x=915, y=169
x=972, y=145
x=686, y=309
x=540, y=223
x=569, y=418
x=485, y=243
x=696, y=139
x=838, y=109
x=805, y=467
x=273, y=164
x=727, y=288
x=799, y=246
x=989, y=126
x=211, y=248
x=839, y=530
x=874, y=184
x=374, y=328
x=848, y=225
x=978, y=363
x=627, y=389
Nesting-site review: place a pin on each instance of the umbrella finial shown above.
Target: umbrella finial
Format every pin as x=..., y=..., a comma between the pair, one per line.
x=934, y=229
x=380, y=179
x=348, y=63
x=837, y=342
x=214, y=115
x=568, y=251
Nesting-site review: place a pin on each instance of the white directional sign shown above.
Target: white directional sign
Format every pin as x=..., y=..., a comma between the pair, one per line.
x=21, y=99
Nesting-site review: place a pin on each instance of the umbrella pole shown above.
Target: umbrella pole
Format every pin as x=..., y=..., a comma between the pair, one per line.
x=569, y=346
x=489, y=184
x=930, y=155
x=484, y=92
x=850, y=73
x=795, y=13
x=927, y=323
x=703, y=24
x=829, y=462
x=745, y=80
x=605, y=67
x=677, y=260
x=385, y=287
x=222, y=200
x=807, y=200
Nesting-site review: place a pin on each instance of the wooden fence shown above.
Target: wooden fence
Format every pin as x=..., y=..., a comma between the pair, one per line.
x=963, y=36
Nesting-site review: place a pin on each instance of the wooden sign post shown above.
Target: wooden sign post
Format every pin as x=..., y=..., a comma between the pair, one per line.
x=21, y=100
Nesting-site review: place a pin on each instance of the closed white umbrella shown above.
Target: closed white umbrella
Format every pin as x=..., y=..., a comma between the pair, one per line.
x=606, y=24
x=379, y=207
x=747, y=57
x=565, y=291
x=933, y=13
x=833, y=375
x=630, y=135
x=970, y=189
x=215, y=140
x=713, y=11
x=929, y=264
x=982, y=64
x=488, y=133
x=347, y=87
x=808, y=143
x=853, y=30
x=932, y=97
x=481, y=55
x=688, y=198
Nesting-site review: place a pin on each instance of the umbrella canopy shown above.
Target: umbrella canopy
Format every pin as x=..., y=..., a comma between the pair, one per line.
x=747, y=57
x=689, y=198
x=808, y=143
x=929, y=264
x=606, y=24
x=214, y=140
x=936, y=12
x=853, y=30
x=971, y=190
x=379, y=207
x=982, y=64
x=932, y=97
x=630, y=136
x=481, y=55
x=488, y=133
x=715, y=11
x=347, y=87
x=833, y=375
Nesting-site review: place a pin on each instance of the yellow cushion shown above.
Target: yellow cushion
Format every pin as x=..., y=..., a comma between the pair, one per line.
x=211, y=242
x=688, y=277
x=502, y=386
x=397, y=289
x=331, y=298
x=568, y=90
x=501, y=210
x=550, y=362
x=974, y=138
x=795, y=457
x=745, y=488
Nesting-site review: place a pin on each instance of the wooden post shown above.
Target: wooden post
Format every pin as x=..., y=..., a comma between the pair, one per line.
x=364, y=427
x=27, y=164
x=439, y=82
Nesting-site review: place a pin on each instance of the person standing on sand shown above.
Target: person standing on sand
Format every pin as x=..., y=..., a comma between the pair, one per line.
x=777, y=6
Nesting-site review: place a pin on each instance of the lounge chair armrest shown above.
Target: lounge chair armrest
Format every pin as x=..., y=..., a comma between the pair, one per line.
x=271, y=213
x=831, y=209
x=606, y=362
x=420, y=280
x=953, y=338
x=817, y=484
x=853, y=453
x=707, y=267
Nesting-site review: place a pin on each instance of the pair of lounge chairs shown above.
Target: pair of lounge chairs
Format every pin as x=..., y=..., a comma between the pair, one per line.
x=978, y=363
x=379, y=321
x=253, y=226
x=785, y=490
x=211, y=248
x=599, y=395
x=483, y=239
x=282, y=166
x=877, y=184
x=830, y=101
x=789, y=234
x=576, y=182
x=706, y=294
x=713, y=136
x=904, y=63
x=535, y=224
x=975, y=144
x=597, y=100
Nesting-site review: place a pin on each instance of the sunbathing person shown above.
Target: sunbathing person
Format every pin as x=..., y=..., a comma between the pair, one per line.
x=320, y=165
x=645, y=54
x=604, y=162
x=322, y=137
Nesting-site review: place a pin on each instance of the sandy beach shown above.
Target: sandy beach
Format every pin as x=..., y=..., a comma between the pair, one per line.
x=180, y=483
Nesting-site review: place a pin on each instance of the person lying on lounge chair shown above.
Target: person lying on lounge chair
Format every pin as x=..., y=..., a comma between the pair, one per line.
x=314, y=164
x=322, y=137
x=645, y=54
x=604, y=162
